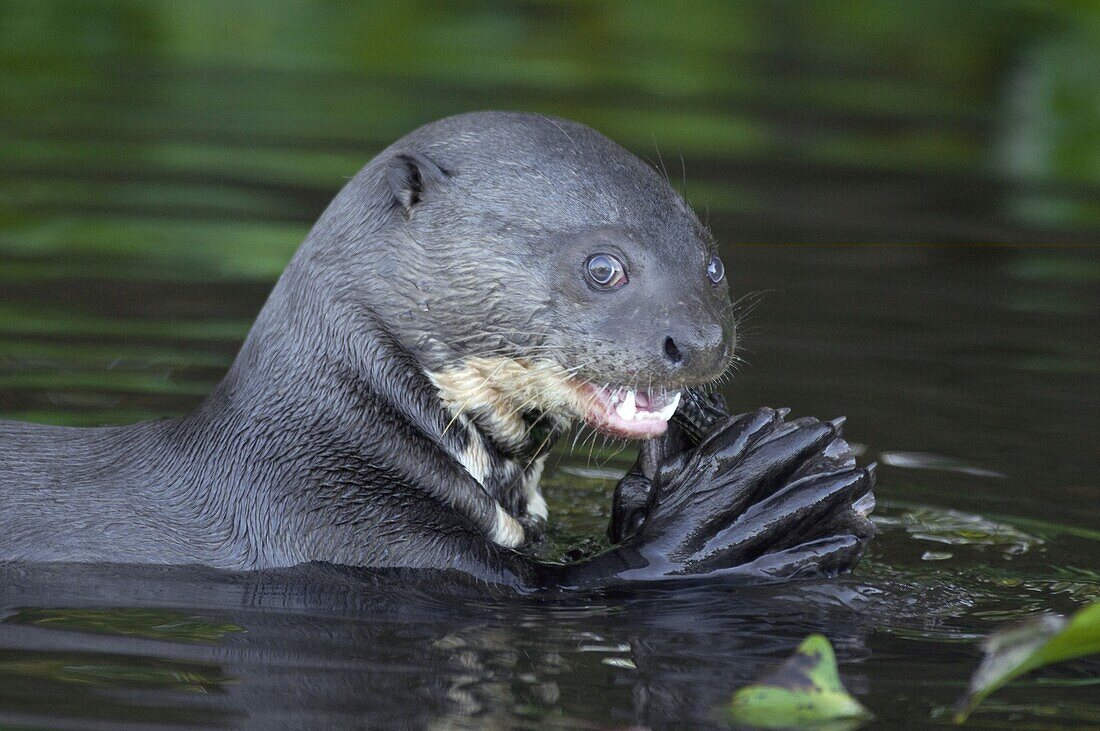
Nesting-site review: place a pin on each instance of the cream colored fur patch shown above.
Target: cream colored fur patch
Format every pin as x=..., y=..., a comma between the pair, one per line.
x=502, y=389
x=475, y=458
x=507, y=532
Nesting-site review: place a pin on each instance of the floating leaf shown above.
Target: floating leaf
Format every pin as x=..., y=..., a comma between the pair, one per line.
x=1041, y=641
x=153, y=624
x=805, y=692
x=114, y=671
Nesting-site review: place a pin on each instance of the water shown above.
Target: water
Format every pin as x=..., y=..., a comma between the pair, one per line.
x=162, y=160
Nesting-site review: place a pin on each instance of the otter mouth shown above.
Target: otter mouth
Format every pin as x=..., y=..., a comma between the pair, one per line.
x=502, y=392
x=630, y=413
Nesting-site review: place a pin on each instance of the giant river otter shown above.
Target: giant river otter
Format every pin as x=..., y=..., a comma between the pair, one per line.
x=482, y=284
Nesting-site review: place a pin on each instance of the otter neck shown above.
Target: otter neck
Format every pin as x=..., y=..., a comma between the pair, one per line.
x=307, y=390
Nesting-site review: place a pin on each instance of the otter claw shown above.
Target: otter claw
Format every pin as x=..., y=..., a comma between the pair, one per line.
x=865, y=505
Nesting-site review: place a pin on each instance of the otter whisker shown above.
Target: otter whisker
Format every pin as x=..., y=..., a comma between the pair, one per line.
x=594, y=432
x=623, y=444
x=576, y=436
x=519, y=409
x=744, y=305
x=538, y=451
x=592, y=447
x=603, y=446
x=684, y=177
x=580, y=430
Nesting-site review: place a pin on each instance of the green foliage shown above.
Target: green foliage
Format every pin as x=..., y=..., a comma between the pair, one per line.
x=805, y=692
x=1016, y=651
x=153, y=624
x=111, y=671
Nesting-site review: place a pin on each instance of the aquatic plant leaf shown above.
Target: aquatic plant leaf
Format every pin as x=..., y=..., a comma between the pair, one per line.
x=115, y=671
x=805, y=692
x=1018, y=650
x=955, y=528
x=153, y=624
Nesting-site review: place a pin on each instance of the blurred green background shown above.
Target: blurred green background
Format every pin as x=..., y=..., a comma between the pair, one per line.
x=849, y=121
x=161, y=160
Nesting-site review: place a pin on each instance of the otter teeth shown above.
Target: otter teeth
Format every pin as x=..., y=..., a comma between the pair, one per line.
x=670, y=409
x=627, y=409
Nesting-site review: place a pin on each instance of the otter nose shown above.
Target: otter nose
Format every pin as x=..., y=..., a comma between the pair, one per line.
x=672, y=351
x=697, y=349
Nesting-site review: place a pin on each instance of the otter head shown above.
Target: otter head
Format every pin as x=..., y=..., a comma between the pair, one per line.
x=544, y=275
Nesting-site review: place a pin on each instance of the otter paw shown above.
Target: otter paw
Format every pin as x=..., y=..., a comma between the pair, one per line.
x=760, y=496
x=697, y=414
x=534, y=528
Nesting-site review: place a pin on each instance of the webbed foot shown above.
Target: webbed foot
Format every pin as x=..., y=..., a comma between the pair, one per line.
x=757, y=496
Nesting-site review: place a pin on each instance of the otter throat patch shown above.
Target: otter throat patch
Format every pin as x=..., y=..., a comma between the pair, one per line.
x=489, y=396
x=497, y=392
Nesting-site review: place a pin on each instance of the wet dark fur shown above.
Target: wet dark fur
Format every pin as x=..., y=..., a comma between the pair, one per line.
x=326, y=441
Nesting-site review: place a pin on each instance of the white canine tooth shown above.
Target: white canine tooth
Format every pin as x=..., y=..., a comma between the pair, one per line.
x=670, y=409
x=626, y=409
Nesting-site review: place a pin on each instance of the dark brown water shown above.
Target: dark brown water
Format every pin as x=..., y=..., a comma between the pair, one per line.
x=159, y=162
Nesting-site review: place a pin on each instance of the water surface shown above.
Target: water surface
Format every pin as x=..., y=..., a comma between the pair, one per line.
x=161, y=161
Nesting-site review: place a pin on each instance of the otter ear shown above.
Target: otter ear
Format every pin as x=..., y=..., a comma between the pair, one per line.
x=409, y=175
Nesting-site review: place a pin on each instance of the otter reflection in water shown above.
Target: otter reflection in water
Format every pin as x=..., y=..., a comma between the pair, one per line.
x=478, y=287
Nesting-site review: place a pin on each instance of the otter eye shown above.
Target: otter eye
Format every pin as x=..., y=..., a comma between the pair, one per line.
x=716, y=272
x=605, y=271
